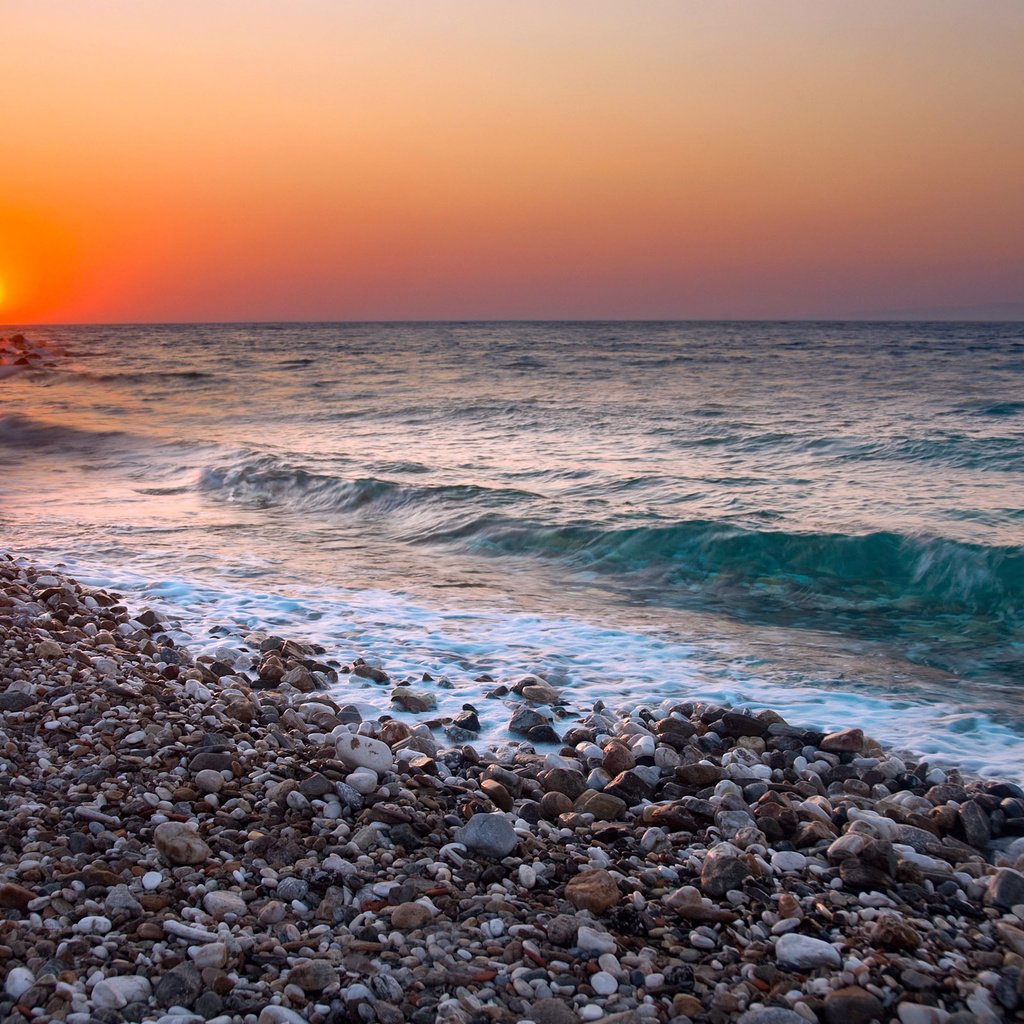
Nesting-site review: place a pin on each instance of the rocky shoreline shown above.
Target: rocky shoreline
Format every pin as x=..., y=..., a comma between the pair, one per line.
x=192, y=839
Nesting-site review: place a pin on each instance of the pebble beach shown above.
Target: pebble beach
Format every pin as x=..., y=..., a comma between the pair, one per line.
x=192, y=839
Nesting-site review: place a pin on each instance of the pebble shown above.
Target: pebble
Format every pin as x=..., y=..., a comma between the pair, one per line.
x=175, y=821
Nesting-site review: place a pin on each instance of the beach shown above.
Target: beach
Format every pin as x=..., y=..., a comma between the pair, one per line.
x=188, y=840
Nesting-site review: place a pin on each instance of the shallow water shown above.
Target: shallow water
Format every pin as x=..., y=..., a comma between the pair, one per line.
x=823, y=518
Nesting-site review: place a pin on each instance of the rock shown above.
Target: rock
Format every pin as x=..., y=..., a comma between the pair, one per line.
x=563, y=780
x=594, y=890
x=737, y=724
x=210, y=954
x=18, y=982
x=722, y=870
x=49, y=649
x=974, y=823
x=527, y=722
x=845, y=741
x=220, y=904
x=617, y=758
x=603, y=806
x=771, y=1015
x=563, y=929
x=497, y=794
x=1006, y=888
x=553, y=805
x=179, y=842
x=180, y=986
x=364, y=752
x=603, y=983
x=409, y=916
x=592, y=942
x=313, y=975
x=489, y=834
x=279, y=1015
x=631, y=787
x=209, y=781
x=116, y=993
x=551, y=1011
x=413, y=701
x=788, y=860
x=15, y=897
x=803, y=952
x=699, y=775
x=892, y=932
x=852, y=1005
x=917, y=1013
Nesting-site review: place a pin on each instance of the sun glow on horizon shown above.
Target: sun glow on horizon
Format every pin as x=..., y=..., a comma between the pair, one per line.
x=510, y=160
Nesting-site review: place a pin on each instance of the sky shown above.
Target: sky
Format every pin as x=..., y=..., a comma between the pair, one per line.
x=206, y=160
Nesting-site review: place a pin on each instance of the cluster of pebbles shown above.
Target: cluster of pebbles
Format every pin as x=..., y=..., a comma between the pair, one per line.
x=184, y=840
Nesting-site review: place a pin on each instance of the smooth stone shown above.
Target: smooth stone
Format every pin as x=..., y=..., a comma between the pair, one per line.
x=805, y=952
x=18, y=982
x=313, y=975
x=180, y=986
x=722, y=870
x=771, y=1015
x=409, y=916
x=116, y=993
x=603, y=983
x=489, y=834
x=151, y=880
x=93, y=925
x=551, y=1011
x=279, y=1015
x=852, y=1005
x=590, y=940
x=179, y=843
x=209, y=781
x=788, y=860
x=1006, y=888
x=593, y=890
x=364, y=752
x=220, y=904
x=210, y=954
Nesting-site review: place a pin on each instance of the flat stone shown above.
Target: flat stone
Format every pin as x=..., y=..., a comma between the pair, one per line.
x=489, y=834
x=592, y=942
x=722, y=870
x=594, y=890
x=1006, y=888
x=852, y=1005
x=180, y=986
x=15, y=897
x=313, y=975
x=220, y=904
x=804, y=952
x=603, y=806
x=699, y=775
x=409, y=916
x=179, y=842
x=209, y=781
x=771, y=1015
x=845, y=741
x=552, y=1011
x=364, y=752
x=116, y=993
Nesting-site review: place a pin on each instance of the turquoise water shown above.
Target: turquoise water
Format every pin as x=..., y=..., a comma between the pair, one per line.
x=827, y=518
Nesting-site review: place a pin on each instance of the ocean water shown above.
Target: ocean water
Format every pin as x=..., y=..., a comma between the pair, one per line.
x=823, y=518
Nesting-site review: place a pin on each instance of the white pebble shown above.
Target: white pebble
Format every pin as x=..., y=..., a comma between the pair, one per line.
x=604, y=984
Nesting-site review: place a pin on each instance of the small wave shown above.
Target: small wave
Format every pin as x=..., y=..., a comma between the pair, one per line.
x=18, y=431
x=266, y=481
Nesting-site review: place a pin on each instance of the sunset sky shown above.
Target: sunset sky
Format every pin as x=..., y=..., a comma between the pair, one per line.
x=402, y=159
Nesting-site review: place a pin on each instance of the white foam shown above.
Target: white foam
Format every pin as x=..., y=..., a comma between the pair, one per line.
x=587, y=661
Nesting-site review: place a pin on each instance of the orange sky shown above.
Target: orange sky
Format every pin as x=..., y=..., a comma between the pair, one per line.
x=253, y=159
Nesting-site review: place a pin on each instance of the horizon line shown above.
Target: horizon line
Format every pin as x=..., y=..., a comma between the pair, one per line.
x=521, y=320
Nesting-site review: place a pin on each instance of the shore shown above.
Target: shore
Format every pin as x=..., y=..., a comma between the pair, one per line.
x=185, y=840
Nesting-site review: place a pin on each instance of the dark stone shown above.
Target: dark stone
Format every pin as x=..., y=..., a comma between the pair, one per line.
x=219, y=761
x=631, y=787
x=974, y=824
x=180, y=986
x=736, y=724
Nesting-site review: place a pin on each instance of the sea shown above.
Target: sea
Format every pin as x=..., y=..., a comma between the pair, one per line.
x=826, y=519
